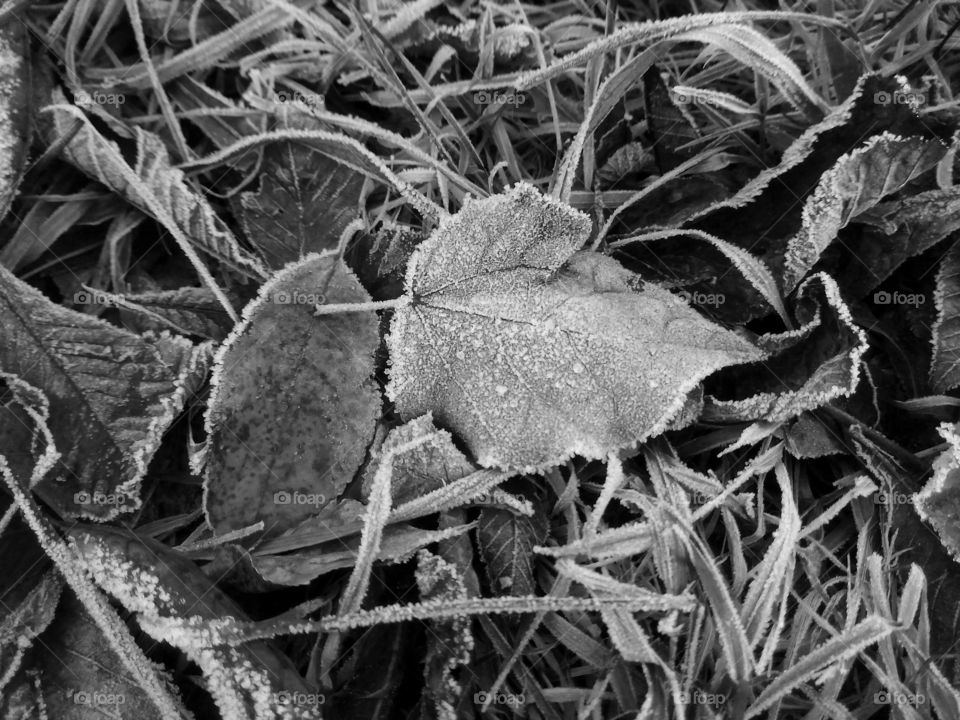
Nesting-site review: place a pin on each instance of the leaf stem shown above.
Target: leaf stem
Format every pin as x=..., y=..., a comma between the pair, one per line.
x=334, y=308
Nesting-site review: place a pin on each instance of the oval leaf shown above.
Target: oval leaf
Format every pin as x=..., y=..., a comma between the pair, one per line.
x=293, y=402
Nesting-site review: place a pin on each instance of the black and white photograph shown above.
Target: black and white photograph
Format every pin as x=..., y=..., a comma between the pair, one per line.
x=468, y=360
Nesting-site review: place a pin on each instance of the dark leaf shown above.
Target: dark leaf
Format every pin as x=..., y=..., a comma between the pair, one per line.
x=112, y=396
x=304, y=203
x=506, y=546
x=293, y=402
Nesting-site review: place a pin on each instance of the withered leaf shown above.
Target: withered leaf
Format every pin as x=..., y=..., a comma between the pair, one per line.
x=532, y=352
x=293, y=401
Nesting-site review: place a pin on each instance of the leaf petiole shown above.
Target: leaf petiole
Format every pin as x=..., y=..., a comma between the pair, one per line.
x=334, y=308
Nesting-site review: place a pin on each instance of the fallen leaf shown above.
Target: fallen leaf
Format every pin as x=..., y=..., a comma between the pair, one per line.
x=174, y=602
x=166, y=194
x=304, y=203
x=506, y=543
x=858, y=181
x=531, y=360
x=449, y=644
x=425, y=467
x=807, y=367
x=293, y=402
x=945, y=364
x=112, y=395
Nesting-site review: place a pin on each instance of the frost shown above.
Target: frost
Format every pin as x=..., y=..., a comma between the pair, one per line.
x=938, y=503
x=426, y=467
x=827, y=328
x=892, y=232
x=164, y=191
x=175, y=603
x=590, y=365
x=304, y=202
x=14, y=103
x=293, y=402
x=112, y=395
x=450, y=644
x=856, y=182
x=945, y=364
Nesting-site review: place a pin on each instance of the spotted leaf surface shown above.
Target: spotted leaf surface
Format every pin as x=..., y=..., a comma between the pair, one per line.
x=294, y=403
x=531, y=351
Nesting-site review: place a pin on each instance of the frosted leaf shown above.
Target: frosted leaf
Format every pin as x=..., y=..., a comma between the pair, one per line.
x=425, y=467
x=14, y=109
x=304, y=203
x=765, y=213
x=938, y=503
x=499, y=298
x=889, y=234
x=183, y=210
x=293, y=402
x=21, y=622
x=857, y=182
x=399, y=543
x=823, y=364
x=82, y=677
x=627, y=160
x=449, y=643
x=807, y=437
x=186, y=310
x=506, y=542
x=945, y=364
x=809, y=156
x=176, y=603
x=112, y=395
